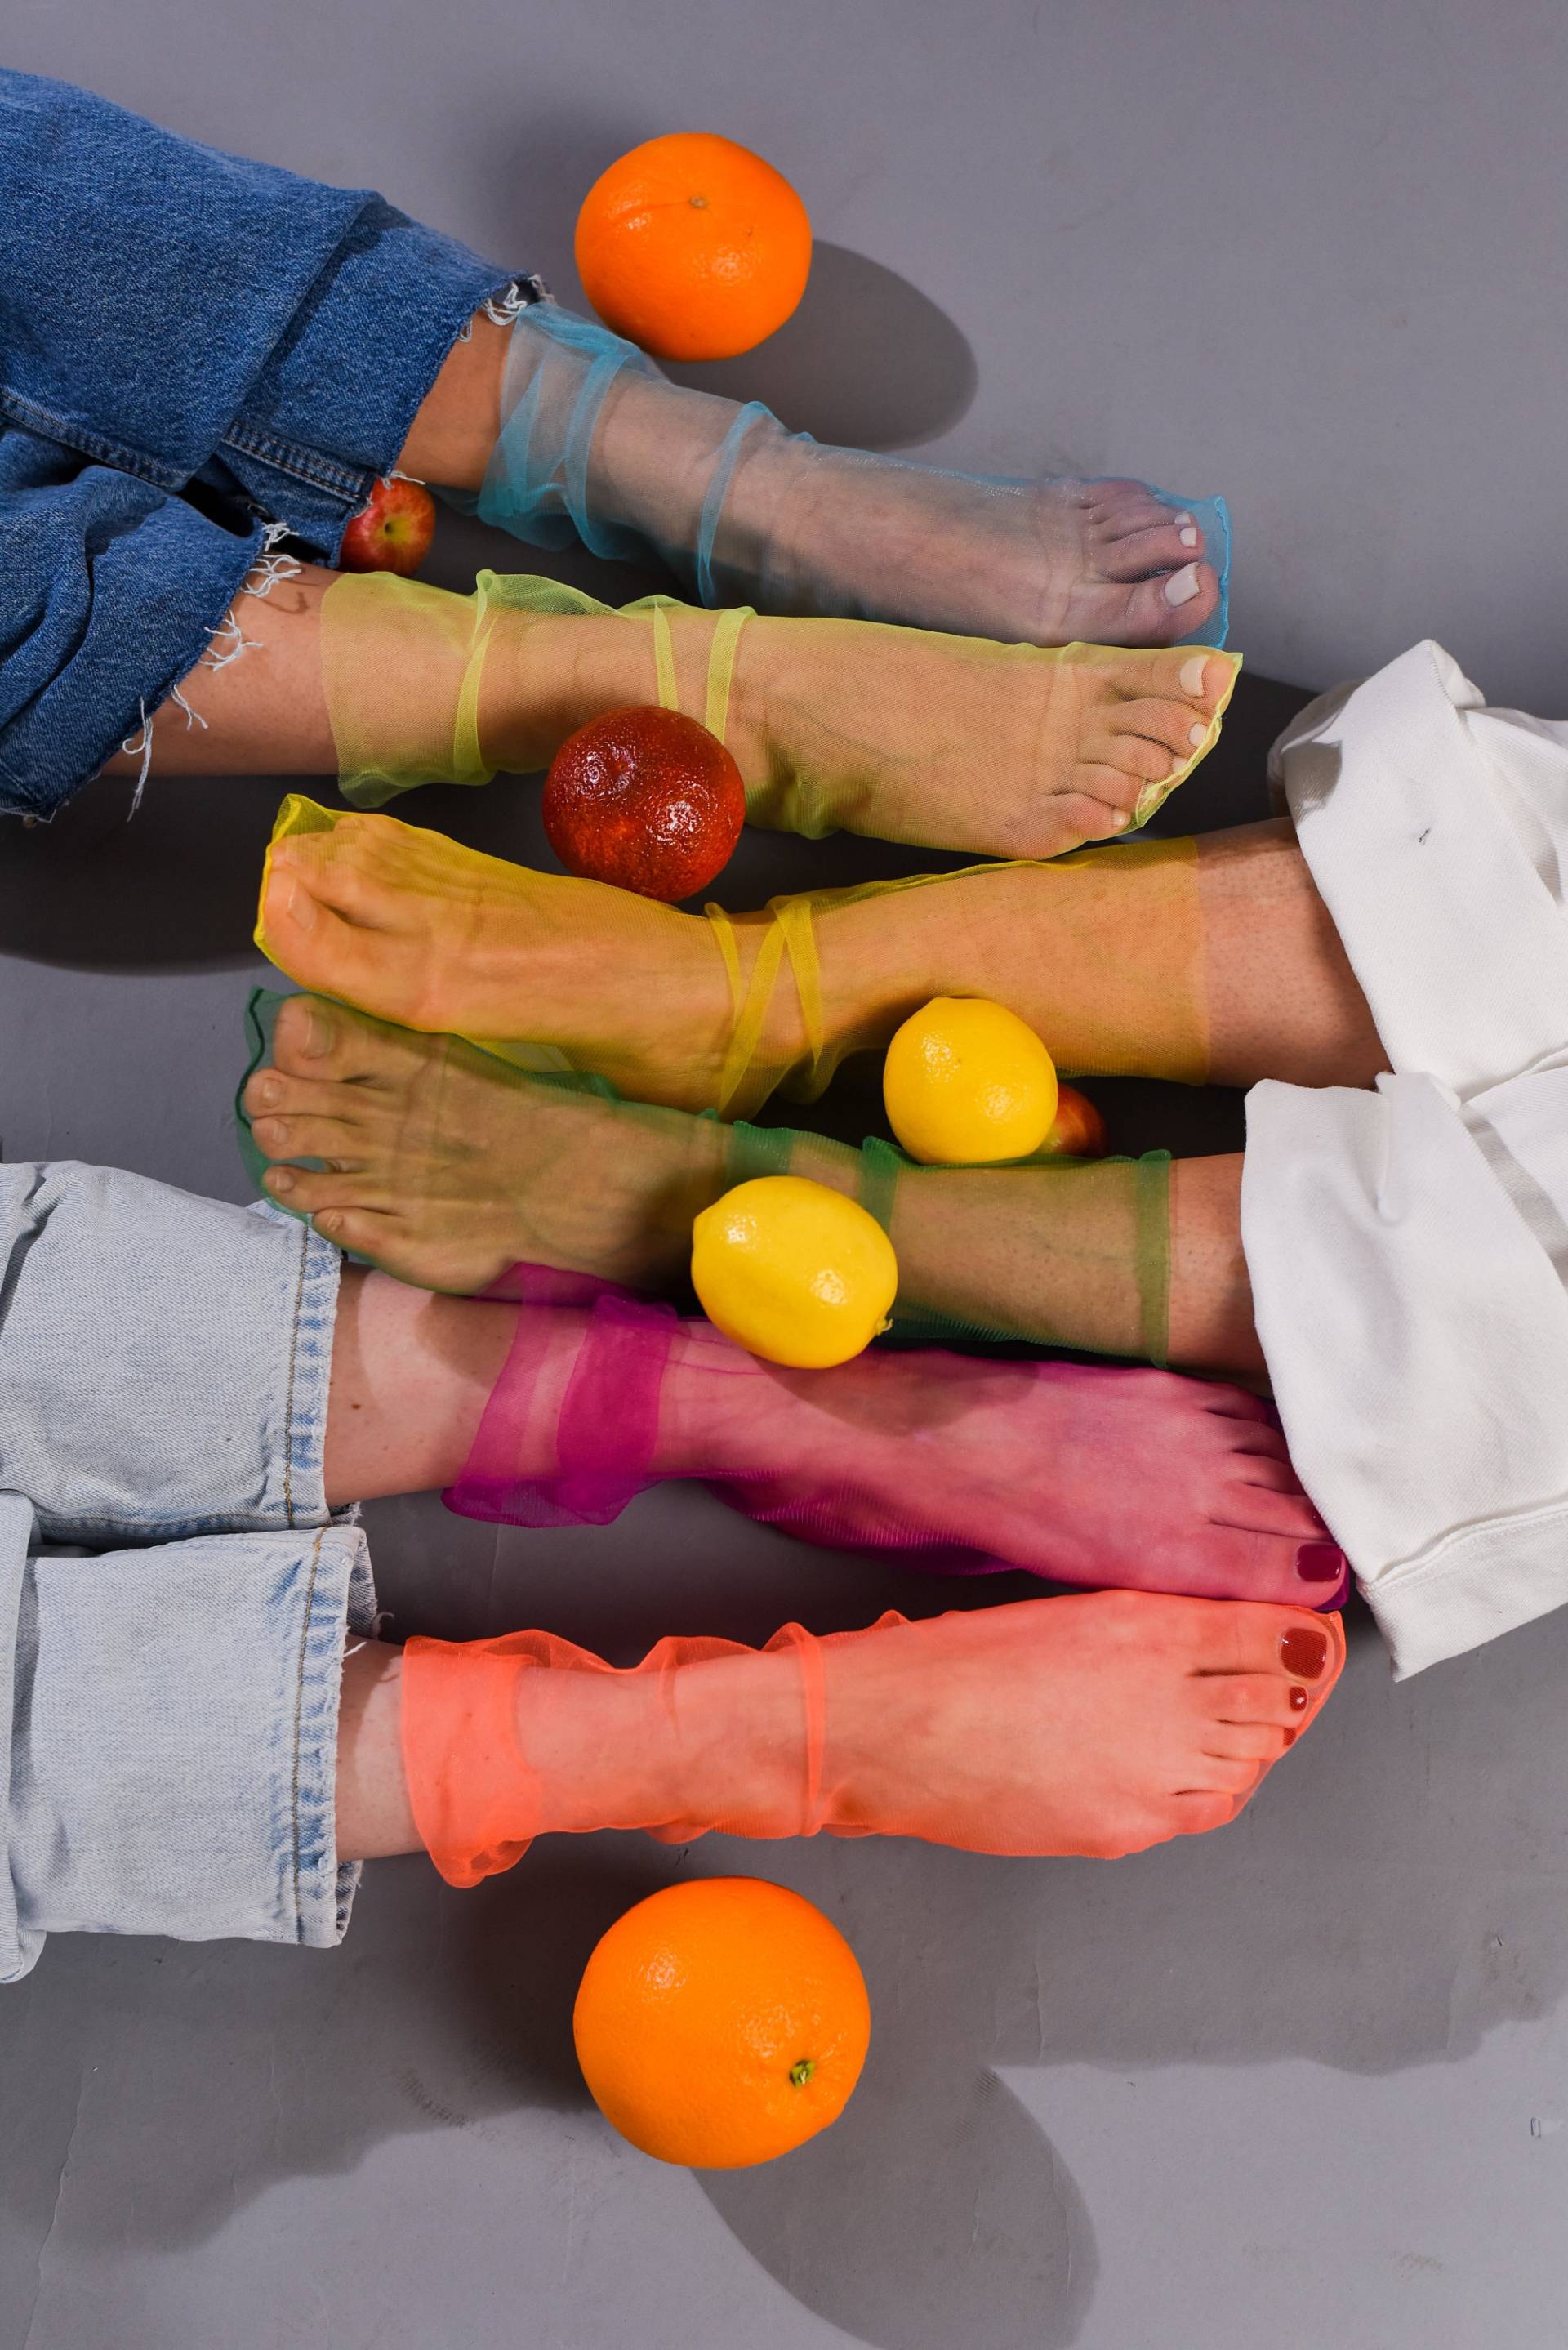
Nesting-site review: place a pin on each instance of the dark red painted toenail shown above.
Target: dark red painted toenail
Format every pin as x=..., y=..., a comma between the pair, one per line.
x=1299, y=1703
x=1320, y=1563
x=1303, y=1652
x=1290, y=1738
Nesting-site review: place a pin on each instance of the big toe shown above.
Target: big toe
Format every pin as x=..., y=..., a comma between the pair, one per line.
x=315, y=1038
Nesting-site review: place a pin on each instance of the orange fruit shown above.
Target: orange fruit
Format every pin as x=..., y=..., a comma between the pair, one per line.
x=722, y=2022
x=694, y=247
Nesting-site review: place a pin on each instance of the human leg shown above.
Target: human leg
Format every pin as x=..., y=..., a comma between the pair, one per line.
x=1213, y=961
x=446, y=1166
x=587, y=440
x=1094, y=1726
x=948, y=742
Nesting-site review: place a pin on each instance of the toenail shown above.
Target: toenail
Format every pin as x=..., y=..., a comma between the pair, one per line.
x=1177, y=763
x=266, y=1090
x=1182, y=585
x=300, y=906
x=1193, y=673
x=1198, y=736
x=280, y=1179
x=1190, y=537
x=1290, y=1735
x=1303, y=1652
x=317, y=1037
x=1183, y=518
x=1299, y=1700
x=1320, y=1563
x=1120, y=821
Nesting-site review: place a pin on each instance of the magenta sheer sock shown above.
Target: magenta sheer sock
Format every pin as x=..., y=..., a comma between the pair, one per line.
x=1085, y=1475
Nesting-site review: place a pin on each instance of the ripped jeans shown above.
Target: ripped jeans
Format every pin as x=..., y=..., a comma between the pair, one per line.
x=198, y=355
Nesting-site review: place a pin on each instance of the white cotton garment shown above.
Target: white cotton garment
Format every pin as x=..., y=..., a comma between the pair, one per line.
x=1408, y=1247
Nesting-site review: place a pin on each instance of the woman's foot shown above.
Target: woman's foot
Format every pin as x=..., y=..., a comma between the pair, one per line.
x=1097, y=1725
x=1042, y=563
x=416, y=928
x=444, y=1167
x=955, y=743
x=1107, y=1478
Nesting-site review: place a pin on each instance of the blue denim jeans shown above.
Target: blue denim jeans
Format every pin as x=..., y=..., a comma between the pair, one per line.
x=174, y=1595
x=192, y=347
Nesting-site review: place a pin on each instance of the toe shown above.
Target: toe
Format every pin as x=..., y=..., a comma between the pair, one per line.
x=1187, y=682
x=307, y=1191
x=1130, y=752
x=353, y=1048
x=1157, y=611
x=1255, y=1743
x=1268, y=1700
x=1284, y=1640
x=1197, y=1812
x=341, y=869
x=302, y=1038
x=1142, y=553
x=332, y=1140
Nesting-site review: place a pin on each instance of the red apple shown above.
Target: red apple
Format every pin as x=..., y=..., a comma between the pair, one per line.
x=393, y=532
x=1080, y=1130
x=646, y=799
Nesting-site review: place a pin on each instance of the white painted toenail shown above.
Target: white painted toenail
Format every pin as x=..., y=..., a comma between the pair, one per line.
x=1183, y=518
x=1198, y=736
x=1193, y=673
x=1190, y=537
x=1177, y=763
x=1182, y=585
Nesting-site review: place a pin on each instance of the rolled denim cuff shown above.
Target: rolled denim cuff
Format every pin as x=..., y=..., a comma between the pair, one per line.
x=331, y=408
x=173, y=1740
x=164, y=1360
x=111, y=591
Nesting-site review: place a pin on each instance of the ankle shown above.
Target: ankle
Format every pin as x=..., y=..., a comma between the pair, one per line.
x=547, y=673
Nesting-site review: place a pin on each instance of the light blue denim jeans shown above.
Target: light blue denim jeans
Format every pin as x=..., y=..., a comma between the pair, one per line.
x=174, y=1595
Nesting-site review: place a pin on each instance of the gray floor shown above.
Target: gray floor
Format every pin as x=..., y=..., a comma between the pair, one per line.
x=1304, y=2082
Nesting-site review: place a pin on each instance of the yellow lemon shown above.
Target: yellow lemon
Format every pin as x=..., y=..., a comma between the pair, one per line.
x=966, y=1082
x=794, y=1272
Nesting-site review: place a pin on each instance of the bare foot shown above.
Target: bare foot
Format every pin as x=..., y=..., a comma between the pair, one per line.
x=444, y=1167
x=412, y=926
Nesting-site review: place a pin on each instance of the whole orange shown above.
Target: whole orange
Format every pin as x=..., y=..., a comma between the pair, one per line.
x=722, y=2022
x=694, y=247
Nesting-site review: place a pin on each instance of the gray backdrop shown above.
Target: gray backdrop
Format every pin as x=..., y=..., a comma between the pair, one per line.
x=1301, y=2082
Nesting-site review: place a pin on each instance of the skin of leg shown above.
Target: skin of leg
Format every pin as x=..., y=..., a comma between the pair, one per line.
x=907, y=732
x=447, y=1169
x=1124, y=1478
x=1050, y=563
x=1094, y=1725
x=1125, y=971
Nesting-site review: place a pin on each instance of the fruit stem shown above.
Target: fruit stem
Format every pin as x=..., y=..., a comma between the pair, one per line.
x=801, y=2073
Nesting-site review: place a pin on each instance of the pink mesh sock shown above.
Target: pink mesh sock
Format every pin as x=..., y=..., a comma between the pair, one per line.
x=1085, y=1476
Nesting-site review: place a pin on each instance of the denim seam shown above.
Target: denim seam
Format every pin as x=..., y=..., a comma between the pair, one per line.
x=303, y=465
x=292, y=1370
x=34, y=419
x=298, y=1726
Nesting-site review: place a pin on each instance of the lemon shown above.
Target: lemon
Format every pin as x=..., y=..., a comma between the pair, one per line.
x=794, y=1272
x=966, y=1082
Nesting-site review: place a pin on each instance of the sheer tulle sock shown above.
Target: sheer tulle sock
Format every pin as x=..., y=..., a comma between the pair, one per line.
x=1101, y=952
x=597, y=445
x=1096, y=1726
x=944, y=742
x=445, y=1166
x=1123, y=1479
